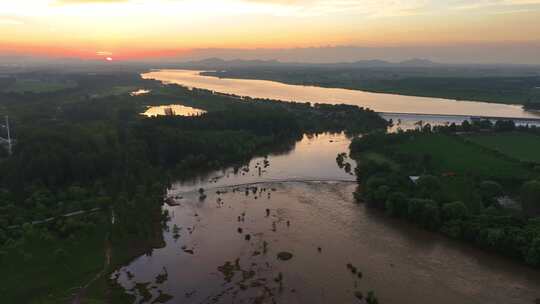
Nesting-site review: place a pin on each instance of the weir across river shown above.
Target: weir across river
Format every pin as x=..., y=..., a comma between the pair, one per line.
x=457, y=118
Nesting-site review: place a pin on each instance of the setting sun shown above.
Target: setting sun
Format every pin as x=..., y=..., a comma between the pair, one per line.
x=164, y=28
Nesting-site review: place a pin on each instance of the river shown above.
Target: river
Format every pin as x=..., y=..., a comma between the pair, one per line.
x=223, y=248
x=384, y=103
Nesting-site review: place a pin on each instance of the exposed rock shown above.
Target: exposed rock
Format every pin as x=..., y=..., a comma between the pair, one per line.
x=284, y=256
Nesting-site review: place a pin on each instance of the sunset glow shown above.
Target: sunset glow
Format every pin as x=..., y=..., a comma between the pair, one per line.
x=148, y=29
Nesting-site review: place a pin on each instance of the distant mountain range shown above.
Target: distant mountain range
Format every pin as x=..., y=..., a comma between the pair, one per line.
x=218, y=63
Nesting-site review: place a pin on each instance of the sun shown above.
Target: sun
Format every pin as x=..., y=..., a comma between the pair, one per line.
x=109, y=59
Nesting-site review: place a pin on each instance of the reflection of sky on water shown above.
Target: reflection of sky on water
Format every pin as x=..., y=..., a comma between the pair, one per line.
x=173, y=109
x=414, y=121
x=378, y=102
x=312, y=158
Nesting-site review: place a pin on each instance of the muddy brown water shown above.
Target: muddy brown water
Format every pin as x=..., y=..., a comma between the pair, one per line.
x=207, y=258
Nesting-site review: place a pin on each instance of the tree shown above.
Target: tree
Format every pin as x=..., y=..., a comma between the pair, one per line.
x=533, y=254
x=530, y=198
x=454, y=211
x=466, y=126
x=505, y=125
x=425, y=212
x=429, y=186
x=380, y=196
x=474, y=202
x=396, y=204
x=60, y=255
x=490, y=190
x=483, y=124
x=452, y=228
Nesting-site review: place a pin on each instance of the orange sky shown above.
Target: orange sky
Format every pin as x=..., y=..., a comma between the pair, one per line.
x=152, y=28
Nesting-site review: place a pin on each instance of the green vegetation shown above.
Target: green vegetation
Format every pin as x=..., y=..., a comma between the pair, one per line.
x=451, y=82
x=451, y=154
x=518, y=145
x=447, y=183
x=42, y=264
x=380, y=159
x=530, y=197
x=78, y=149
x=37, y=86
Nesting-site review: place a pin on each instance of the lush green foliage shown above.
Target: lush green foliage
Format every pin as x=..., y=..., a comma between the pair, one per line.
x=519, y=145
x=457, y=189
x=530, y=197
x=87, y=147
x=445, y=153
x=39, y=266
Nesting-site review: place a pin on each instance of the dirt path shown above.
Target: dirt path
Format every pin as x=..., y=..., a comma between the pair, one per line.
x=50, y=219
x=82, y=291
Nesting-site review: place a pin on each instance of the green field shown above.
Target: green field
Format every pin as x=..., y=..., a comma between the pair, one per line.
x=36, y=273
x=118, y=90
x=380, y=159
x=38, y=86
x=449, y=154
x=522, y=146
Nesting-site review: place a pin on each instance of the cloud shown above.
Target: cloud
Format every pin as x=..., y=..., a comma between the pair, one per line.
x=377, y=8
x=280, y=8
x=481, y=4
x=104, y=53
x=87, y=1
x=308, y=8
x=289, y=7
x=9, y=21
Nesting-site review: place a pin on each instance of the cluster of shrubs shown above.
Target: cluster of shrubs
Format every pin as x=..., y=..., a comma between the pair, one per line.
x=21, y=241
x=41, y=203
x=480, y=220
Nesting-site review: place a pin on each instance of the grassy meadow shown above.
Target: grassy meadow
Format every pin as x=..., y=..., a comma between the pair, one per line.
x=450, y=154
x=50, y=270
x=518, y=145
x=38, y=86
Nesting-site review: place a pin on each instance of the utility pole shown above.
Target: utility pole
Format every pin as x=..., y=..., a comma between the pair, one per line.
x=10, y=147
x=7, y=140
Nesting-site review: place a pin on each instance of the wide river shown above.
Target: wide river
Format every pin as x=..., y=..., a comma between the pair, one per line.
x=385, y=103
x=223, y=248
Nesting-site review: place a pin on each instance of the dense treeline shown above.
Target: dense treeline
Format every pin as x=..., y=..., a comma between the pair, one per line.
x=103, y=144
x=88, y=147
x=465, y=205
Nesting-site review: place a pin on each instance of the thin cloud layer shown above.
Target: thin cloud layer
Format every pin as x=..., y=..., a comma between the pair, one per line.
x=88, y=1
x=141, y=27
x=299, y=8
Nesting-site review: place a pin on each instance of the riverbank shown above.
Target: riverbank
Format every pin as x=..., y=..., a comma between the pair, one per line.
x=452, y=181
